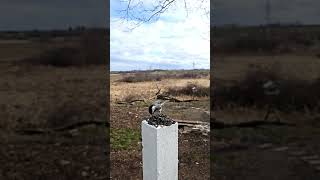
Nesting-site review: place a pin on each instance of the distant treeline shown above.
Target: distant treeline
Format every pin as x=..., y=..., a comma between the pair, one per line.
x=158, y=70
x=30, y=34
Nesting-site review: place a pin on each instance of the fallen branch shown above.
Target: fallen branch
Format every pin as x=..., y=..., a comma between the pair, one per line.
x=180, y=121
x=221, y=125
x=130, y=102
x=172, y=99
x=80, y=124
x=63, y=128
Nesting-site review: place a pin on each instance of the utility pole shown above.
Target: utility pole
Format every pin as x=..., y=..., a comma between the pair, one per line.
x=193, y=70
x=268, y=12
x=267, y=29
x=267, y=17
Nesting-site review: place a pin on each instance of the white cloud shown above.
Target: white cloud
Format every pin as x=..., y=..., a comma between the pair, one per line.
x=174, y=41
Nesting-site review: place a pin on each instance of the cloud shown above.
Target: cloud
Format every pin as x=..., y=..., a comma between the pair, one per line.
x=175, y=41
x=57, y=14
x=252, y=12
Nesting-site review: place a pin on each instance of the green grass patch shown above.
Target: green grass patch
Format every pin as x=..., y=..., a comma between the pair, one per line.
x=124, y=139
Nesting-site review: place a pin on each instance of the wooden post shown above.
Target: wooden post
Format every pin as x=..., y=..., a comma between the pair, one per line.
x=160, y=152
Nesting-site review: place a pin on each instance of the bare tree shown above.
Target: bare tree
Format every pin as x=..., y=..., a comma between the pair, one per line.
x=142, y=11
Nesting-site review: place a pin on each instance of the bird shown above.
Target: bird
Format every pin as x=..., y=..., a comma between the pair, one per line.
x=156, y=106
x=194, y=90
x=271, y=88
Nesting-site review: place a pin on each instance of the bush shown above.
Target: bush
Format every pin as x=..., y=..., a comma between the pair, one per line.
x=294, y=94
x=140, y=77
x=201, y=91
x=59, y=57
x=89, y=49
x=148, y=76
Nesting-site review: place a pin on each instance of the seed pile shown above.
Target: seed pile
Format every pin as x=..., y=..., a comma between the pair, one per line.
x=160, y=119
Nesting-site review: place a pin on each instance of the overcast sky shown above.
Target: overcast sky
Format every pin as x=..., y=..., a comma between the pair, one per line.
x=252, y=12
x=46, y=14
x=174, y=41
x=52, y=14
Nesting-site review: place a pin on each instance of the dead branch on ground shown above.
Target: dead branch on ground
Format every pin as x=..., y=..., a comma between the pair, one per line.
x=250, y=124
x=62, y=128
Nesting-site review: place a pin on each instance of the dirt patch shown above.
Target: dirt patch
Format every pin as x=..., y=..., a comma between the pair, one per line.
x=46, y=97
x=236, y=156
x=194, y=157
x=256, y=164
x=60, y=159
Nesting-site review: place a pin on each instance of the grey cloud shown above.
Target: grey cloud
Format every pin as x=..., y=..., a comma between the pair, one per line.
x=56, y=14
x=252, y=12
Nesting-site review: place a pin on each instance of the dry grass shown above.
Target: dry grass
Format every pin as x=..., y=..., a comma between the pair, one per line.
x=147, y=90
x=201, y=91
x=247, y=89
x=15, y=49
x=37, y=94
x=88, y=49
x=158, y=76
x=234, y=68
x=243, y=60
x=42, y=96
x=255, y=40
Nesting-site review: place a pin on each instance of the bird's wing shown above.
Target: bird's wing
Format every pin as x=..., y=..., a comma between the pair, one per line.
x=154, y=108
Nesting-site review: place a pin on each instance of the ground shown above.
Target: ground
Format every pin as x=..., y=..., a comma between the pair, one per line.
x=194, y=148
x=239, y=153
x=41, y=97
x=38, y=97
x=49, y=97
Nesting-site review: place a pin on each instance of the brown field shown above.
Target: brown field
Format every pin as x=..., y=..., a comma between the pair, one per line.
x=304, y=67
x=37, y=98
x=235, y=150
x=230, y=162
x=126, y=123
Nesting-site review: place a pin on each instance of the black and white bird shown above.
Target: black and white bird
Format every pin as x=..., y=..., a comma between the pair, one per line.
x=156, y=107
x=194, y=90
x=271, y=88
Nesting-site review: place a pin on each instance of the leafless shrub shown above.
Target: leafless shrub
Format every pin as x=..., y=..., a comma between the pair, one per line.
x=294, y=94
x=60, y=57
x=89, y=49
x=201, y=91
x=140, y=77
x=148, y=76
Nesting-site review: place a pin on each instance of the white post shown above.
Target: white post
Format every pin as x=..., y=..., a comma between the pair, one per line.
x=160, y=152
